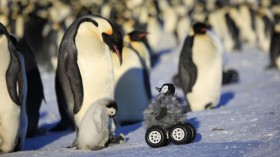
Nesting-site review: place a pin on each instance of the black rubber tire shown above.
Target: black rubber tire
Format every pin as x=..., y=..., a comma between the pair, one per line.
x=180, y=134
x=156, y=137
x=193, y=130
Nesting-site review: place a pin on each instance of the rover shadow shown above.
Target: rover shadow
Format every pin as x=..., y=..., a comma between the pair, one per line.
x=196, y=124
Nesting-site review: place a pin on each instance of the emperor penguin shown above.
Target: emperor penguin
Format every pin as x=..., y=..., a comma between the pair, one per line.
x=132, y=86
x=85, y=69
x=274, y=51
x=13, y=85
x=200, y=68
x=95, y=127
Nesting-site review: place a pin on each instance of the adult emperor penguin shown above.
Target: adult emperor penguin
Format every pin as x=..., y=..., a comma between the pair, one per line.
x=85, y=68
x=132, y=86
x=274, y=51
x=95, y=129
x=13, y=85
x=200, y=68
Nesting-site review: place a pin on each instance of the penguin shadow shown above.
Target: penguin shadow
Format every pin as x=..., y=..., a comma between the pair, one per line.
x=41, y=141
x=44, y=139
x=225, y=98
x=156, y=57
x=195, y=123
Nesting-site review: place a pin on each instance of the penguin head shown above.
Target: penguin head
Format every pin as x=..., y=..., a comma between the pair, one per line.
x=111, y=108
x=167, y=88
x=200, y=28
x=3, y=31
x=113, y=38
x=137, y=35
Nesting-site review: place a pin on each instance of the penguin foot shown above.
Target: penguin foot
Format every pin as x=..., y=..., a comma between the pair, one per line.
x=62, y=126
x=270, y=66
x=37, y=132
x=116, y=140
x=230, y=76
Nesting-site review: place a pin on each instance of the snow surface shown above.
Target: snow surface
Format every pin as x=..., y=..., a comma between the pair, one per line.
x=246, y=123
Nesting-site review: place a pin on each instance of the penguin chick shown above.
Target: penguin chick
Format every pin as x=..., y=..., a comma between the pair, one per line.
x=94, y=129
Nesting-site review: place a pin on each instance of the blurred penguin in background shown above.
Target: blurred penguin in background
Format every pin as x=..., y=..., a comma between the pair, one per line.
x=243, y=16
x=274, y=51
x=264, y=25
x=200, y=68
x=132, y=82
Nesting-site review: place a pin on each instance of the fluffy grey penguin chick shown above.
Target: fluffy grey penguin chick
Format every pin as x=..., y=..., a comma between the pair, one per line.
x=165, y=111
x=95, y=126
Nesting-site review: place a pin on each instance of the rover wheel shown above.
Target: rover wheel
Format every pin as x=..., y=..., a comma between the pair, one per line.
x=193, y=131
x=156, y=137
x=180, y=134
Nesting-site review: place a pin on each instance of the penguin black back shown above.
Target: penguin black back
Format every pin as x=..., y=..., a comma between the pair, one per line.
x=187, y=68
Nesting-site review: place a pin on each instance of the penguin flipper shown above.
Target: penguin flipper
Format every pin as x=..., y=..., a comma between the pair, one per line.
x=73, y=75
x=12, y=75
x=97, y=119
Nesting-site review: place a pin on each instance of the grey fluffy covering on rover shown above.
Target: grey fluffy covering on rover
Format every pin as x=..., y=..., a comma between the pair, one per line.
x=164, y=111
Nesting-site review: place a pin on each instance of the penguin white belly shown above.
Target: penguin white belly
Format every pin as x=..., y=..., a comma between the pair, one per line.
x=143, y=52
x=9, y=119
x=170, y=20
x=96, y=70
x=9, y=111
x=278, y=62
x=153, y=38
x=207, y=59
x=263, y=40
x=130, y=92
x=183, y=28
x=247, y=33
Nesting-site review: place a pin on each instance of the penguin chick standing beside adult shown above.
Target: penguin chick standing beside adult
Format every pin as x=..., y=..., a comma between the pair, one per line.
x=132, y=85
x=200, y=68
x=13, y=91
x=85, y=68
x=94, y=130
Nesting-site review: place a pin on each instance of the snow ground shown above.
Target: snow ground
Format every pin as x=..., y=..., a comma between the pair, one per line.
x=246, y=123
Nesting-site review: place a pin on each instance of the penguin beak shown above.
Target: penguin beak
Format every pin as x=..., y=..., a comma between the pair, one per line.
x=143, y=35
x=158, y=89
x=118, y=53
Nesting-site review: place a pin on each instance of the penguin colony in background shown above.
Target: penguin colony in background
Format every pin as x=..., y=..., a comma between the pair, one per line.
x=57, y=23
